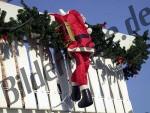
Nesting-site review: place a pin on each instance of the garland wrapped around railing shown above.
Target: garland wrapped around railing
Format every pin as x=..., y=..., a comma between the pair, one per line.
x=35, y=26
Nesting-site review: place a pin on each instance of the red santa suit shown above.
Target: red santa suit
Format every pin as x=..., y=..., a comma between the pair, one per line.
x=79, y=44
x=79, y=48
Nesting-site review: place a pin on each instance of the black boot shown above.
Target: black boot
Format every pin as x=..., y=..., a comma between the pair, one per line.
x=86, y=99
x=75, y=95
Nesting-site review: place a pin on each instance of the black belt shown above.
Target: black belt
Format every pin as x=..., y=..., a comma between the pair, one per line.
x=82, y=36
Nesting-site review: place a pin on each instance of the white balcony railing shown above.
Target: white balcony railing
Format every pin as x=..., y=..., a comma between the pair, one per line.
x=106, y=83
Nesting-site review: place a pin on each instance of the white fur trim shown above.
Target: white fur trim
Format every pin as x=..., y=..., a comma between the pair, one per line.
x=81, y=49
x=89, y=30
x=74, y=84
x=86, y=25
x=83, y=87
x=62, y=12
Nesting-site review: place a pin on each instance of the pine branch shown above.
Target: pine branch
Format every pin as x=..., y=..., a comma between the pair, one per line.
x=13, y=29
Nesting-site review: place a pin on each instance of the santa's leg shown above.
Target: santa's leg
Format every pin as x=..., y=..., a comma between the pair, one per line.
x=76, y=95
x=86, y=94
x=79, y=78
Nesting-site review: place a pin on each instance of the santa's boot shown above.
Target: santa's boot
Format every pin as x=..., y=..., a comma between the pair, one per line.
x=86, y=98
x=75, y=95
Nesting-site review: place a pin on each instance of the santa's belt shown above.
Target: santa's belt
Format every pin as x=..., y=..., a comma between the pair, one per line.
x=77, y=37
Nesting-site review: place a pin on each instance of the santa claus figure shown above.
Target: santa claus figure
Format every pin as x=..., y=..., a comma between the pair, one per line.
x=76, y=36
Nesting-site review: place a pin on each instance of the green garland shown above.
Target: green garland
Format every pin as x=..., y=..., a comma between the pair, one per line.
x=133, y=58
x=36, y=26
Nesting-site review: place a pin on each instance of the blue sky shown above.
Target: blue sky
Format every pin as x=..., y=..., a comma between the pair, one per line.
x=114, y=12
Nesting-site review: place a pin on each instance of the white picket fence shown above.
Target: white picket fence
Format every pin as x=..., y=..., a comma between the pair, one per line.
x=106, y=83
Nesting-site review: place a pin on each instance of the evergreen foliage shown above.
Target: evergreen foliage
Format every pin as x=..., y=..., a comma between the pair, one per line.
x=38, y=29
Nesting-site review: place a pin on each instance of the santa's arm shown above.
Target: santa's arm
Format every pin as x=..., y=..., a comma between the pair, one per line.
x=78, y=16
x=81, y=19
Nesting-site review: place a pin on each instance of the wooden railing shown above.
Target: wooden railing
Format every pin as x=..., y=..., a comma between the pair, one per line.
x=106, y=83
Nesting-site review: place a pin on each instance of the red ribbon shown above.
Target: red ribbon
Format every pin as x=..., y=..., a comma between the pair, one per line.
x=5, y=36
